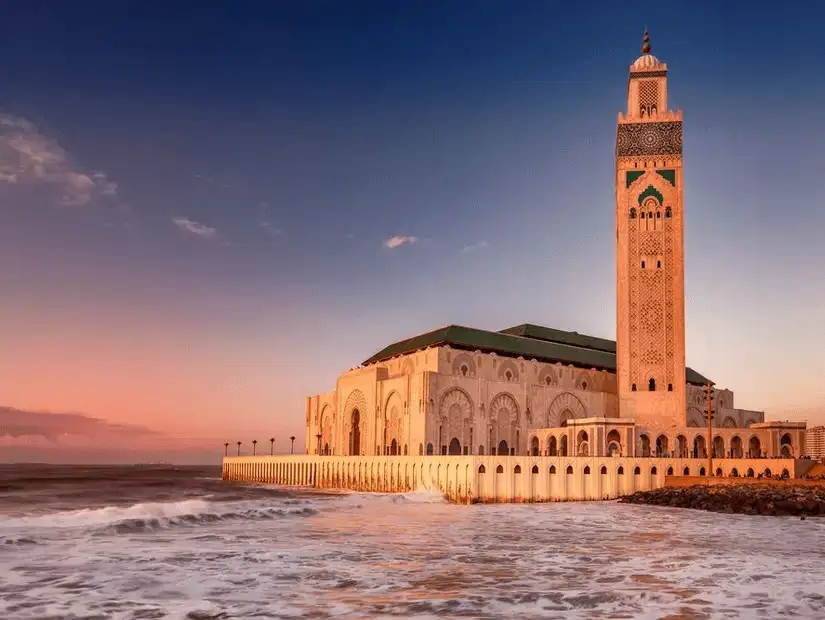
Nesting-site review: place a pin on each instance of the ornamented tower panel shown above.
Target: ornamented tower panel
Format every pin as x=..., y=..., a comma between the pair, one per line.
x=650, y=251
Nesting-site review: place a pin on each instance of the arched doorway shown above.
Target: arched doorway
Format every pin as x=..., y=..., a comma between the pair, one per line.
x=754, y=448
x=681, y=446
x=644, y=445
x=355, y=433
x=503, y=449
x=455, y=446
x=614, y=443
x=534, y=446
x=582, y=445
x=661, y=445
x=718, y=447
x=786, y=446
x=563, y=446
x=699, y=449
x=394, y=447
x=552, y=450
x=736, y=447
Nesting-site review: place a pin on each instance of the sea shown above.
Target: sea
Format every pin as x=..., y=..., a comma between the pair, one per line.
x=176, y=542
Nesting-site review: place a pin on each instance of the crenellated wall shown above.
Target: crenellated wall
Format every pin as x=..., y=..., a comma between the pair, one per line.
x=495, y=479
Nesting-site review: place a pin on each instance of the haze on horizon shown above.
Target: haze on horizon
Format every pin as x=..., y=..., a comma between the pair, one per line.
x=207, y=213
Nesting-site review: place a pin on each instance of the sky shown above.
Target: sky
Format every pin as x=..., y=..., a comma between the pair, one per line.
x=210, y=210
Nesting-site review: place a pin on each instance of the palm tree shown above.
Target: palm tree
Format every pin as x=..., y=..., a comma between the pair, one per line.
x=254, y=444
x=292, y=449
x=239, y=448
x=226, y=449
x=271, y=446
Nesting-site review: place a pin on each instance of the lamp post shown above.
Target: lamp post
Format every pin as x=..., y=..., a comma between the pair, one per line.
x=271, y=446
x=709, y=392
x=239, y=448
x=318, y=436
x=254, y=446
x=226, y=449
x=292, y=449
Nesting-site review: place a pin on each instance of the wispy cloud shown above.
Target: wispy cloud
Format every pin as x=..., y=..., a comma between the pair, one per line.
x=265, y=222
x=29, y=157
x=398, y=241
x=195, y=228
x=475, y=246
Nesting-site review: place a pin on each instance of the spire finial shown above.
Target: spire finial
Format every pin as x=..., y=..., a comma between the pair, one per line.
x=646, y=43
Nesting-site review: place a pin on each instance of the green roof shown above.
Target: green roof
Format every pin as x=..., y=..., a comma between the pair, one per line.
x=529, y=341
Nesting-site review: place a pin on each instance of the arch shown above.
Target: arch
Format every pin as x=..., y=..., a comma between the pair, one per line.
x=736, y=450
x=464, y=365
x=669, y=471
x=662, y=448
x=534, y=446
x=429, y=449
x=695, y=418
x=394, y=447
x=651, y=384
x=686, y=471
x=552, y=449
x=455, y=447
x=482, y=469
x=517, y=469
x=582, y=444
x=552, y=469
x=719, y=472
x=547, y=377
x=481, y=450
x=734, y=473
x=500, y=469
x=637, y=470
x=586, y=470
x=653, y=471
x=644, y=445
x=701, y=471
x=355, y=426
x=327, y=427
x=767, y=473
x=754, y=447
x=504, y=419
x=614, y=443
x=718, y=447
x=785, y=474
x=563, y=446
x=620, y=471
x=603, y=470
x=564, y=407
x=569, y=469
x=681, y=447
x=728, y=422
x=420, y=449
x=506, y=366
x=786, y=452
x=535, y=469
x=503, y=448
x=455, y=414
x=699, y=447
x=749, y=473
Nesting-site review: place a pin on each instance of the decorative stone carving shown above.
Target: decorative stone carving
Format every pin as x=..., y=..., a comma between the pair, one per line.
x=647, y=139
x=564, y=407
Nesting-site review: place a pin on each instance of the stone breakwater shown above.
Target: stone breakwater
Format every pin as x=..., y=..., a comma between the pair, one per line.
x=781, y=499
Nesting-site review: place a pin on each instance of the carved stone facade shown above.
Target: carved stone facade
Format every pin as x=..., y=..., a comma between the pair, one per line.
x=460, y=391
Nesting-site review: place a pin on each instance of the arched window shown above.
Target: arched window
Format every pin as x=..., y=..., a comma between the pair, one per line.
x=653, y=471
x=633, y=388
x=584, y=385
x=604, y=469
x=535, y=469
x=651, y=384
x=650, y=215
x=464, y=370
x=482, y=469
x=643, y=264
x=621, y=471
x=517, y=469
x=668, y=212
x=669, y=387
x=632, y=213
x=569, y=469
x=642, y=215
x=499, y=469
x=508, y=375
x=658, y=264
x=637, y=470
x=587, y=470
x=658, y=214
x=552, y=469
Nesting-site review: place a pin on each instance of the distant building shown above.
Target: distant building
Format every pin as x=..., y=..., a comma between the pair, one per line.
x=815, y=447
x=533, y=390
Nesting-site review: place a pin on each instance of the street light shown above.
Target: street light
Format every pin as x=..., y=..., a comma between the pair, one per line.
x=292, y=449
x=239, y=447
x=254, y=445
x=226, y=449
x=271, y=446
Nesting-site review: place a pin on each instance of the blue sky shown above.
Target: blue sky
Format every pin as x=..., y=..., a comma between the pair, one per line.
x=234, y=172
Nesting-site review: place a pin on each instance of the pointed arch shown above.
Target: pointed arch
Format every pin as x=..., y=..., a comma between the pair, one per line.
x=455, y=414
x=356, y=422
x=564, y=407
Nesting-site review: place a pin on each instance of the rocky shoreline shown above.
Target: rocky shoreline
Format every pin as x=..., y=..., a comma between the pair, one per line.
x=781, y=499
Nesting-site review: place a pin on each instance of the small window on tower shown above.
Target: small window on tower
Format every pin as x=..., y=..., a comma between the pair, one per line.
x=658, y=264
x=509, y=375
x=668, y=212
x=650, y=214
x=669, y=387
x=633, y=388
x=651, y=384
x=658, y=214
x=642, y=215
x=633, y=213
x=464, y=370
x=643, y=264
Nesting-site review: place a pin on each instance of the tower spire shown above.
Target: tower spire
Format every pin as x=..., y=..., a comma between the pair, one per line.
x=646, y=43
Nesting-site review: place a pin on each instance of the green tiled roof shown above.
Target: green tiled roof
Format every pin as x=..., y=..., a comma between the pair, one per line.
x=529, y=341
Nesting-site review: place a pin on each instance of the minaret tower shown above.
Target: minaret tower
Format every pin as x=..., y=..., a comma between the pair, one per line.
x=650, y=289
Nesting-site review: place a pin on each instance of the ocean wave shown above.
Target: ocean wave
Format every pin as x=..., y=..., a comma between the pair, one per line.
x=157, y=515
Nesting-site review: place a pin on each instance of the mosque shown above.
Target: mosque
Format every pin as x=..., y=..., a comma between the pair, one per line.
x=465, y=411
x=534, y=390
